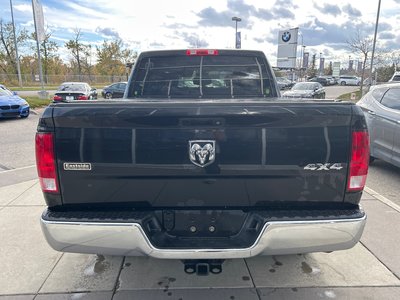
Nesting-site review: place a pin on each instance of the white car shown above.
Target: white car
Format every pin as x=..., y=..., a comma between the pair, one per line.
x=349, y=80
x=395, y=77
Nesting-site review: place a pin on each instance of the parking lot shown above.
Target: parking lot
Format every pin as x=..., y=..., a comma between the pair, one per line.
x=30, y=269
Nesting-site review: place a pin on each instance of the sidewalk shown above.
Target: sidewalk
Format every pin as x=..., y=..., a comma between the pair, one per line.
x=30, y=269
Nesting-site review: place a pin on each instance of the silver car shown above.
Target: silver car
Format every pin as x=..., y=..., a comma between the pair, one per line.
x=381, y=106
x=349, y=80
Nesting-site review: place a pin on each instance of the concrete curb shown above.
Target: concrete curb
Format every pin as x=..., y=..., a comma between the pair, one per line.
x=383, y=199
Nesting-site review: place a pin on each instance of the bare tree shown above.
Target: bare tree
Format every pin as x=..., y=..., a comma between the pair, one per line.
x=78, y=50
x=48, y=51
x=8, y=63
x=395, y=57
x=361, y=45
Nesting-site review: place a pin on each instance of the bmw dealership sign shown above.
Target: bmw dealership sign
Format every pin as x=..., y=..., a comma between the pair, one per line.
x=286, y=36
x=287, y=48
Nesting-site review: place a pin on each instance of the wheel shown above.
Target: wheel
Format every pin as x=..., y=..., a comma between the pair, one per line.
x=108, y=95
x=343, y=83
x=323, y=96
x=371, y=159
x=24, y=117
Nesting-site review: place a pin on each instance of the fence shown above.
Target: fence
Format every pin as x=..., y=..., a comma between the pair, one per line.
x=29, y=80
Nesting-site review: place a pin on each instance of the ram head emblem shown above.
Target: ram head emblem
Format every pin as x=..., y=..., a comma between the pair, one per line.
x=202, y=153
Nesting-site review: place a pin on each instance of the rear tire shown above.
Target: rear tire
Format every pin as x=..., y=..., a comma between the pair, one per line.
x=343, y=83
x=371, y=159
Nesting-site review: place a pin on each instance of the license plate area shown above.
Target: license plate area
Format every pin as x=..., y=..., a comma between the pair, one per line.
x=203, y=229
x=69, y=97
x=203, y=223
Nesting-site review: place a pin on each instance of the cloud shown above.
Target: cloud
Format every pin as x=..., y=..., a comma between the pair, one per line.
x=384, y=26
x=387, y=35
x=282, y=9
x=329, y=9
x=287, y=3
x=351, y=11
x=210, y=17
x=23, y=7
x=317, y=32
x=179, y=26
x=157, y=45
x=260, y=40
x=283, y=13
x=265, y=14
x=238, y=6
x=192, y=39
x=108, y=32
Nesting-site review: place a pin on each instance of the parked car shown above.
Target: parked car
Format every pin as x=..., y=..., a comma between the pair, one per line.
x=349, y=80
x=322, y=80
x=367, y=81
x=395, y=77
x=284, y=83
x=330, y=80
x=75, y=91
x=3, y=87
x=381, y=106
x=115, y=90
x=306, y=90
x=12, y=105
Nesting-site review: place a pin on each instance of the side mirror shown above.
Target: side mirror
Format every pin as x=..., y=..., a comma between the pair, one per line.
x=15, y=93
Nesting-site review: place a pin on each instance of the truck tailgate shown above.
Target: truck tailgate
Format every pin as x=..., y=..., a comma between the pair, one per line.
x=265, y=153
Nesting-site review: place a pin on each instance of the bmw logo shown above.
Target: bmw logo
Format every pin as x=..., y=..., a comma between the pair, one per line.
x=286, y=36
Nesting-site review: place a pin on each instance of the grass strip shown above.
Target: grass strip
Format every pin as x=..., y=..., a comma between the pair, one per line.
x=35, y=102
x=347, y=96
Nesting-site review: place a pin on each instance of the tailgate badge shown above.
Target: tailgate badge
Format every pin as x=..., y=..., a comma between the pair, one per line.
x=77, y=166
x=202, y=152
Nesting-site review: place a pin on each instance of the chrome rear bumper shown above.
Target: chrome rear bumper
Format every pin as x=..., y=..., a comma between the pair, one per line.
x=276, y=238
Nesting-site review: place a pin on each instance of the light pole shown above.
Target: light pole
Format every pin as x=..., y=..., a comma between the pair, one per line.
x=349, y=62
x=16, y=46
x=301, y=50
x=320, y=63
x=236, y=19
x=373, y=47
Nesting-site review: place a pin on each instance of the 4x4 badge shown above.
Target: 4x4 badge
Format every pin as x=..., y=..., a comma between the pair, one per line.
x=323, y=167
x=202, y=152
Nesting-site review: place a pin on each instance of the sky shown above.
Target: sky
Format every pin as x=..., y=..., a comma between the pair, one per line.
x=324, y=26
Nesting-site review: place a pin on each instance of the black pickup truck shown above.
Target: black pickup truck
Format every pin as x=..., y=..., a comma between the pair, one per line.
x=202, y=161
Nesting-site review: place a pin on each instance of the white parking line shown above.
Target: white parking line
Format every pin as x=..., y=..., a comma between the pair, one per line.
x=382, y=199
x=17, y=169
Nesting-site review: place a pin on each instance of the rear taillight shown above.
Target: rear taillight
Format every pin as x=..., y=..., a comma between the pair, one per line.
x=359, y=159
x=57, y=98
x=201, y=52
x=83, y=97
x=46, y=162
